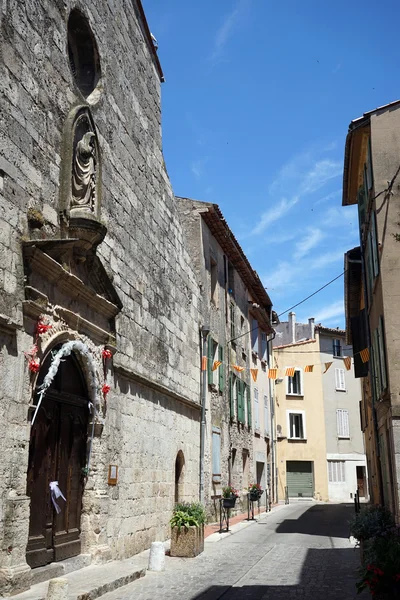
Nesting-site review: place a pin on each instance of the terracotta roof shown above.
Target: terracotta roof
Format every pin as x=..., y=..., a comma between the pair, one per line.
x=147, y=34
x=336, y=330
x=295, y=344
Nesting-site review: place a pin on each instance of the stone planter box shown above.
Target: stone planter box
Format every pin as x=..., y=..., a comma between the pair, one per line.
x=188, y=542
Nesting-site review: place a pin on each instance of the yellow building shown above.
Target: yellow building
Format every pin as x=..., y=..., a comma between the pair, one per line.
x=300, y=422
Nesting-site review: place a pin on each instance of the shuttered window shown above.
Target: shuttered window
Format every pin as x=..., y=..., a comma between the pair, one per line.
x=256, y=410
x=254, y=335
x=340, y=381
x=266, y=416
x=216, y=454
x=342, y=418
x=221, y=369
x=232, y=386
x=248, y=399
x=296, y=426
x=212, y=346
x=263, y=346
x=294, y=385
x=374, y=244
x=336, y=471
x=240, y=401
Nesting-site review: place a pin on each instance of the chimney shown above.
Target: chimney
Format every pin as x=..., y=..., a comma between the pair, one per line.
x=292, y=327
x=311, y=323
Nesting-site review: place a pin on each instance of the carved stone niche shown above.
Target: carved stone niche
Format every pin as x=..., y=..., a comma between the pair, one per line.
x=80, y=190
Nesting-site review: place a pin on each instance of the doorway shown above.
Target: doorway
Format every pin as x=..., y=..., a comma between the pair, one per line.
x=299, y=478
x=57, y=452
x=361, y=481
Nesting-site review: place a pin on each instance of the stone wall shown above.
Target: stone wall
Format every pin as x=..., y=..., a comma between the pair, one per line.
x=157, y=330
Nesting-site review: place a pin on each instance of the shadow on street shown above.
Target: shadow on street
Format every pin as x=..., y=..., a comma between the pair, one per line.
x=328, y=520
x=327, y=574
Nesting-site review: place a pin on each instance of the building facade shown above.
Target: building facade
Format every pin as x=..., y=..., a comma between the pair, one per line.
x=320, y=452
x=99, y=305
x=236, y=449
x=372, y=288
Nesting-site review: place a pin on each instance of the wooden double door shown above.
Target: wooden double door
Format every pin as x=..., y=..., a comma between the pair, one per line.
x=57, y=452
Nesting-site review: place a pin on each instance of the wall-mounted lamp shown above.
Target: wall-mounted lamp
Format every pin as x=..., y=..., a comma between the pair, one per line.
x=278, y=380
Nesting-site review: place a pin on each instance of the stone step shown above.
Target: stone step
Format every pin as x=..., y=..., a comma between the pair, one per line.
x=95, y=580
x=59, y=569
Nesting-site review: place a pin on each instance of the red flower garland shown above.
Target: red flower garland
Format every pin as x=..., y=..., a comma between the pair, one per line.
x=106, y=353
x=34, y=365
x=41, y=326
x=105, y=389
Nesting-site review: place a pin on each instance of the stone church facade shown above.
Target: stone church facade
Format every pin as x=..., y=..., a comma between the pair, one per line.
x=99, y=306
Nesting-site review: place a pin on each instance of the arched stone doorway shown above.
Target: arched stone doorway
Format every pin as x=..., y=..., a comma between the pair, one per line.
x=57, y=452
x=179, y=475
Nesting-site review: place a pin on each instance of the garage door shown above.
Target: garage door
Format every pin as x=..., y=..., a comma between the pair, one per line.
x=299, y=478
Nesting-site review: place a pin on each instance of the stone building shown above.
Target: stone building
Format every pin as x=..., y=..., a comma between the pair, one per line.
x=372, y=288
x=99, y=306
x=232, y=296
x=320, y=450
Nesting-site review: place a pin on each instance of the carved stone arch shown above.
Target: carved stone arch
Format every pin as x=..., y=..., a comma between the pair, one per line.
x=80, y=189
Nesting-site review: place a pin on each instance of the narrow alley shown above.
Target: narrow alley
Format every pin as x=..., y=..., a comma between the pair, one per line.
x=299, y=551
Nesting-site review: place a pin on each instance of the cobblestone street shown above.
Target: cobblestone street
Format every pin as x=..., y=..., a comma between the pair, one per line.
x=300, y=551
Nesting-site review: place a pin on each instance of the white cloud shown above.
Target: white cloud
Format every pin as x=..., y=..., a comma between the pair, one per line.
x=328, y=197
x=327, y=259
x=274, y=214
x=197, y=167
x=322, y=172
x=330, y=312
x=227, y=29
x=309, y=241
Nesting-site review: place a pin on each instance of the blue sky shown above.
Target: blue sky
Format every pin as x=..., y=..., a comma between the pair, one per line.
x=256, y=106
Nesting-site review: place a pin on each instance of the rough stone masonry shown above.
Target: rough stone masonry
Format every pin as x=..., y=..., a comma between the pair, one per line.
x=104, y=263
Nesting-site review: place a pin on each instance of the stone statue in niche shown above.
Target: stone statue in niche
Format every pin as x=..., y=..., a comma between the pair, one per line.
x=84, y=173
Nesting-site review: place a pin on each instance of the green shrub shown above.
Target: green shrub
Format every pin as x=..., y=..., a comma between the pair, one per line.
x=187, y=514
x=370, y=522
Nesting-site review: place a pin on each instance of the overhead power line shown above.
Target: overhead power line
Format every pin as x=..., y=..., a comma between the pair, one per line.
x=313, y=294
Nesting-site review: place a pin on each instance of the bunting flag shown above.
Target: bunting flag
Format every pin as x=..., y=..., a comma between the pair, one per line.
x=216, y=364
x=347, y=362
x=204, y=363
x=289, y=372
x=272, y=373
x=237, y=368
x=308, y=368
x=327, y=365
x=364, y=355
x=254, y=373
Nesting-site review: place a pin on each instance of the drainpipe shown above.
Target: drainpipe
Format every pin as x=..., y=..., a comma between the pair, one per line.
x=274, y=479
x=205, y=330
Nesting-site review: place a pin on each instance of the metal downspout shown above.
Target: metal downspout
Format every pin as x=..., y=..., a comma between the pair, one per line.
x=204, y=333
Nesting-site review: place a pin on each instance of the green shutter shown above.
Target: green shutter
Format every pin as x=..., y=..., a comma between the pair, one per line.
x=231, y=394
x=248, y=398
x=240, y=401
x=221, y=380
x=210, y=359
x=382, y=354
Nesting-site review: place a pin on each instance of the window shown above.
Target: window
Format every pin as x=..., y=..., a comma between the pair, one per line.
x=214, y=279
x=248, y=399
x=232, y=317
x=336, y=471
x=256, y=410
x=340, y=381
x=379, y=360
x=221, y=369
x=294, y=385
x=382, y=355
x=342, y=420
x=374, y=245
x=254, y=335
x=266, y=416
x=263, y=346
x=240, y=392
x=231, y=280
x=83, y=53
x=216, y=455
x=337, y=347
x=212, y=347
x=296, y=425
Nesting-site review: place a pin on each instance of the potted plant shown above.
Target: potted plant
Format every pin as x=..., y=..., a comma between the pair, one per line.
x=368, y=523
x=229, y=495
x=187, y=529
x=380, y=572
x=255, y=491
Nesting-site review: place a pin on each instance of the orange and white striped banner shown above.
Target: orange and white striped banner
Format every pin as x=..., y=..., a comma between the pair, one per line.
x=289, y=372
x=365, y=355
x=237, y=368
x=272, y=373
x=204, y=363
x=327, y=365
x=308, y=368
x=216, y=364
x=347, y=362
x=254, y=373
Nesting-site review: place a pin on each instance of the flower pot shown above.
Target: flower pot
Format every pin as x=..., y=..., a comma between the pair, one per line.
x=188, y=542
x=255, y=496
x=229, y=502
